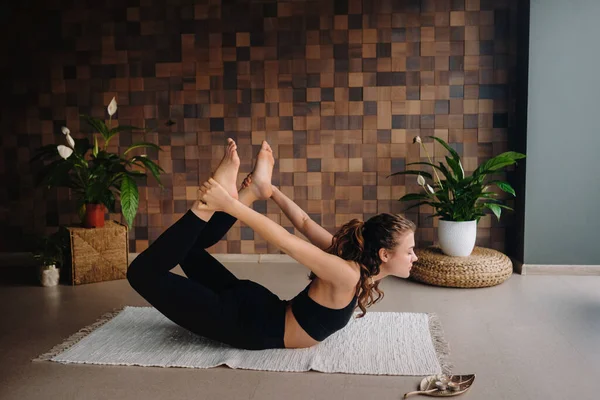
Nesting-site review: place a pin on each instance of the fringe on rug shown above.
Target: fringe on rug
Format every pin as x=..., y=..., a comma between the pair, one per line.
x=442, y=349
x=76, y=337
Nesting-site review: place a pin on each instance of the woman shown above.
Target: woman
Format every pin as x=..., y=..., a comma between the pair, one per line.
x=345, y=268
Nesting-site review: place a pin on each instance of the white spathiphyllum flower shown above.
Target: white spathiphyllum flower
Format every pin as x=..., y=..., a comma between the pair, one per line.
x=112, y=107
x=70, y=141
x=417, y=139
x=421, y=180
x=65, y=130
x=430, y=189
x=64, y=151
x=144, y=155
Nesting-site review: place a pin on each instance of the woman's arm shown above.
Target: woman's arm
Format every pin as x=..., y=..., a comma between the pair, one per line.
x=309, y=228
x=326, y=266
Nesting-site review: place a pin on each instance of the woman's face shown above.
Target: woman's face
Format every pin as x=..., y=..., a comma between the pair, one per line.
x=399, y=261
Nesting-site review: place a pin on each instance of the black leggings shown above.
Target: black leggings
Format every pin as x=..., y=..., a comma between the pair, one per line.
x=212, y=303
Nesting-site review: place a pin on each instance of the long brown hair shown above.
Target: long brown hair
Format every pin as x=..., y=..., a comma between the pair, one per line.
x=360, y=242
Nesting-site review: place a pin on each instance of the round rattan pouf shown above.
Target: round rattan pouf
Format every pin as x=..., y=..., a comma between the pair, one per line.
x=484, y=267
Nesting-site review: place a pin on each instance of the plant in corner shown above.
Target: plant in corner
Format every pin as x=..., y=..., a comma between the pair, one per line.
x=50, y=251
x=459, y=200
x=94, y=175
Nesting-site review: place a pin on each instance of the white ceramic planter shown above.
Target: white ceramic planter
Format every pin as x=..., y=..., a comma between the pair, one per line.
x=49, y=276
x=457, y=239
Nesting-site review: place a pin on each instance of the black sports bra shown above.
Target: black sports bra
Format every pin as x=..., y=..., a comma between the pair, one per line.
x=317, y=320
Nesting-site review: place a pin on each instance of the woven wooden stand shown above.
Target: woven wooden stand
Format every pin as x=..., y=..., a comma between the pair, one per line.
x=484, y=267
x=98, y=254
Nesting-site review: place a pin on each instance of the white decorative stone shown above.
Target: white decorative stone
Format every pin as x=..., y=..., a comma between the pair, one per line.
x=457, y=238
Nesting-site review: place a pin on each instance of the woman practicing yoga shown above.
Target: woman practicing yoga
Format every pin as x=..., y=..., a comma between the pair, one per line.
x=345, y=268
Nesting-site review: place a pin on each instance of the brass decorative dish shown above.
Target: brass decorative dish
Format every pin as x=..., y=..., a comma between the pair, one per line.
x=444, y=385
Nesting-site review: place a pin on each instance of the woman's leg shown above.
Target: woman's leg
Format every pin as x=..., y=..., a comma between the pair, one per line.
x=189, y=304
x=220, y=223
x=216, y=228
x=185, y=302
x=199, y=265
x=202, y=267
x=248, y=316
x=226, y=175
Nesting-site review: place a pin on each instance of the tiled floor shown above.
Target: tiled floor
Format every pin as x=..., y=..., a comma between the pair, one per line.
x=533, y=337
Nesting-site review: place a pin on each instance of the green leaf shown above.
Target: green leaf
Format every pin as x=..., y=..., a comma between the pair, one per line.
x=439, y=214
x=447, y=147
x=44, y=152
x=95, y=152
x=424, y=174
x=81, y=208
x=504, y=186
x=135, y=174
x=495, y=209
x=423, y=163
x=417, y=205
x=458, y=172
x=108, y=199
x=447, y=174
x=154, y=168
x=129, y=199
x=143, y=144
x=513, y=155
x=498, y=162
x=123, y=128
x=413, y=196
x=114, y=131
x=82, y=146
x=55, y=174
x=97, y=124
x=460, y=197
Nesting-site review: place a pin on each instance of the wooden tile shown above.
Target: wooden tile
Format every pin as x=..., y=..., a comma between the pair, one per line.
x=338, y=89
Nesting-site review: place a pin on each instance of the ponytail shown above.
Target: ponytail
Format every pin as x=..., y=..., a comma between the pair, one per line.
x=360, y=242
x=349, y=244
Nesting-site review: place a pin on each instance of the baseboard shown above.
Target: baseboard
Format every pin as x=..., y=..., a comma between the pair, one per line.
x=276, y=258
x=245, y=258
x=549, y=269
x=27, y=260
x=17, y=260
x=553, y=269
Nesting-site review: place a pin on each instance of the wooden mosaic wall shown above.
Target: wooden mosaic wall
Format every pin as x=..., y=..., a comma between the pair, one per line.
x=338, y=88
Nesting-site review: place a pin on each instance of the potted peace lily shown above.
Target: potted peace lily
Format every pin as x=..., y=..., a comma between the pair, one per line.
x=50, y=252
x=459, y=200
x=94, y=175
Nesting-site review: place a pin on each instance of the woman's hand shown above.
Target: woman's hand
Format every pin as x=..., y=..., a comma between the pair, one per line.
x=213, y=197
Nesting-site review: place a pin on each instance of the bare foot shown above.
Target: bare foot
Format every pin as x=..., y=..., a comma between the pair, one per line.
x=226, y=173
x=259, y=180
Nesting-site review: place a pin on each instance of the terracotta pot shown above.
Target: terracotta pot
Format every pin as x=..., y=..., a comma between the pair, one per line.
x=94, y=216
